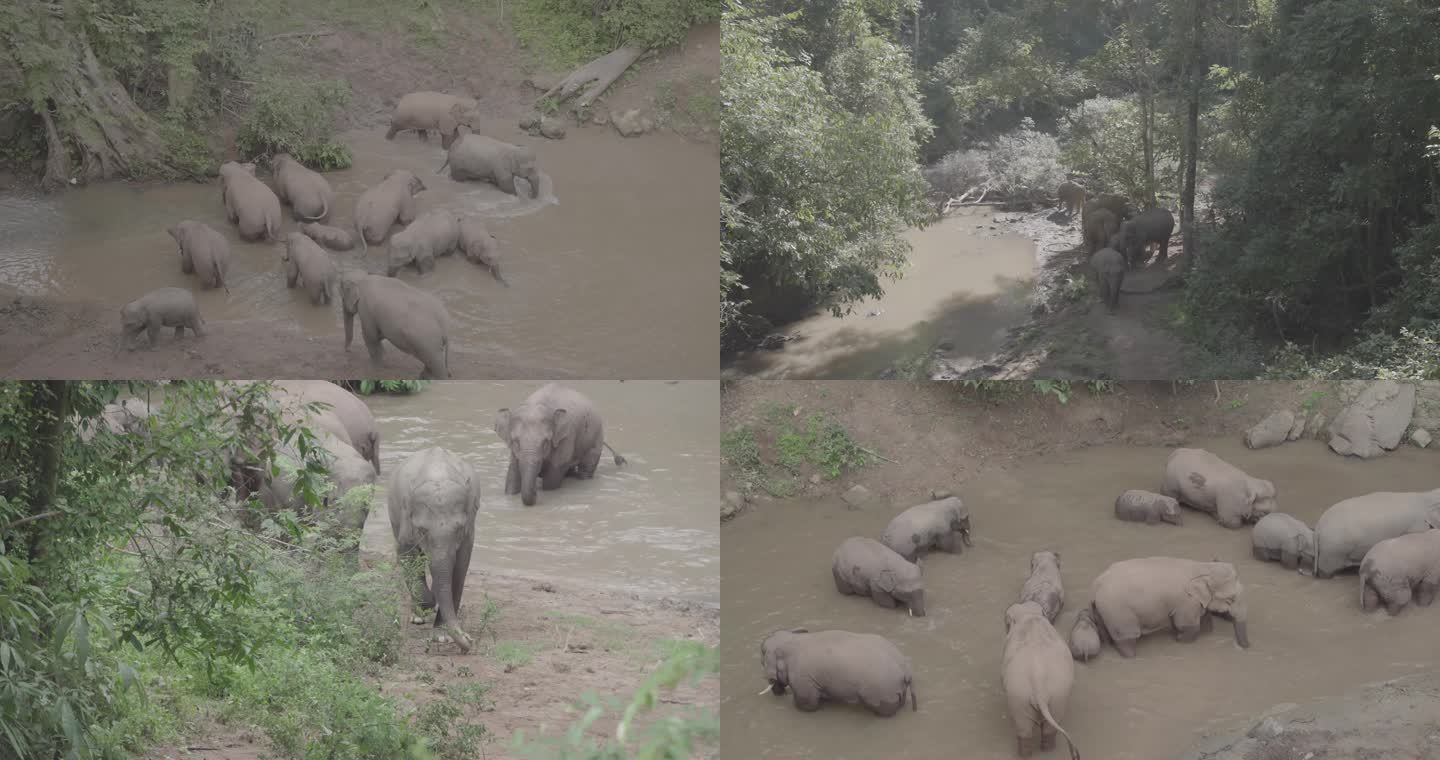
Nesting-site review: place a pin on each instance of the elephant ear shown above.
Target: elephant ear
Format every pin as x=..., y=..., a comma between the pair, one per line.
x=502, y=424
x=557, y=418
x=1199, y=589
x=451, y=120
x=886, y=581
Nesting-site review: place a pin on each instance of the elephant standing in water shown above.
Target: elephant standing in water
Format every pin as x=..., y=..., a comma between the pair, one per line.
x=249, y=203
x=941, y=524
x=160, y=308
x=554, y=433
x=1398, y=570
x=838, y=666
x=1037, y=673
x=433, y=499
x=379, y=208
x=866, y=567
x=411, y=319
x=307, y=192
x=1139, y=596
x=1348, y=529
x=203, y=251
x=424, y=111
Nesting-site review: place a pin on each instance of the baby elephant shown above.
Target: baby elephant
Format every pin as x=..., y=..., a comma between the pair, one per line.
x=1037, y=672
x=1204, y=482
x=305, y=261
x=932, y=525
x=1398, y=569
x=1043, y=586
x=1280, y=537
x=838, y=666
x=203, y=251
x=434, y=234
x=1085, y=636
x=480, y=247
x=162, y=307
x=1109, y=268
x=334, y=238
x=1147, y=507
x=866, y=567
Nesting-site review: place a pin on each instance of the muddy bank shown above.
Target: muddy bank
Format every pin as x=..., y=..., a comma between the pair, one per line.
x=1039, y=475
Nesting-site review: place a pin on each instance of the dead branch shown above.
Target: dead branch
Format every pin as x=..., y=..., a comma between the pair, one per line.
x=291, y=35
x=598, y=74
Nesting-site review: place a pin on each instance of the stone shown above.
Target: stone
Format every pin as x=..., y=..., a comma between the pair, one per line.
x=936, y=494
x=1420, y=437
x=858, y=497
x=1316, y=426
x=633, y=123
x=1266, y=729
x=815, y=479
x=736, y=498
x=552, y=128
x=728, y=510
x=1375, y=421
x=1297, y=429
x=1271, y=431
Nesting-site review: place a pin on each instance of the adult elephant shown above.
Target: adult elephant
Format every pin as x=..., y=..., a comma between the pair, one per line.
x=838, y=666
x=442, y=112
x=351, y=412
x=866, y=567
x=554, y=433
x=306, y=191
x=1204, y=482
x=1350, y=528
x=1153, y=225
x=249, y=204
x=433, y=498
x=379, y=208
x=485, y=159
x=411, y=319
x=337, y=514
x=1135, y=597
x=1098, y=226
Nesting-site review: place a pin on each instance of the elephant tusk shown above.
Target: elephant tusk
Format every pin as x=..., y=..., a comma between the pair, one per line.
x=763, y=693
x=912, y=612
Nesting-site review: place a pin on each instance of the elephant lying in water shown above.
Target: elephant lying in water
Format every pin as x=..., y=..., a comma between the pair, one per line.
x=1147, y=507
x=1348, y=529
x=940, y=524
x=866, y=567
x=433, y=499
x=838, y=666
x=1400, y=569
x=555, y=432
x=477, y=157
x=1135, y=597
x=1204, y=482
x=1037, y=673
x=161, y=307
x=203, y=251
x=411, y=319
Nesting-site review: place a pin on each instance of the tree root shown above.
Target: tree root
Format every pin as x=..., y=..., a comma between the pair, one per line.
x=598, y=74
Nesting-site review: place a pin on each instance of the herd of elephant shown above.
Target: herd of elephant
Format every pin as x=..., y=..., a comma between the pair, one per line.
x=411, y=319
x=1392, y=537
x=1116, y=238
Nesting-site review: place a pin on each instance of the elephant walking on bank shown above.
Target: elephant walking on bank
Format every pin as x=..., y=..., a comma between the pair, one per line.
x=1135, y=597
x=433, y=499
x=1072, y=197
x=1109, y=268
x=838, y=666
x=1037, y=673
x=554, y=433
x=1153, y=225
x=485, y=159
x=411, y=319
x=161, y=308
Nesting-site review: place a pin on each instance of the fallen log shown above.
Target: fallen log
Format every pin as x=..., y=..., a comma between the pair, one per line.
x=598, y=74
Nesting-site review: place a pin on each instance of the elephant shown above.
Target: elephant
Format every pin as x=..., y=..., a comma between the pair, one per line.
x=477, y=157
x=1348, y=529
x=480, y=247
x=1280, y=537
x=838, y=666
x=203, y=250
x=1072, y=197
x=1038, y=674
x=866, y=567
x=553, y=433
x=1097, y=227
x=1134, y=597
x=249, y=203
x=353, y=414
x=1085, y=636
x=306, y=191
x=119, y=418
x=1400, y=569
x=380, y=207
x=932, y=525
x=334, y=238
x=306, y=261
x=424, y=111
x=161, y=307
x=1153, y=225
x=338, y=515
x=1109, y=268
x=1115, y=204
x=411, y=319
x=433, y=498
x=1043, y=587
x=1147, y=507
x=433, y=234
x=1206, y=483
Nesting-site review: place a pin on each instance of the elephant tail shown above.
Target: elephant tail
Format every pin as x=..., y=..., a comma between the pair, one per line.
x=441, y=170
x=619, y=460
x=324, y=212
x=219, y=275
x=1045, y=713
x=270, y=228
x=360, y=233
x=914, y=704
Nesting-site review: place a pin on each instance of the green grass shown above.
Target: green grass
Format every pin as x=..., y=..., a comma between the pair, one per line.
x=800, y=445
x=514, y=654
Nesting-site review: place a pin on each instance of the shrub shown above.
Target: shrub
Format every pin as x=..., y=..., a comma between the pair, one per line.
x=297, y=117
x=1022, y=166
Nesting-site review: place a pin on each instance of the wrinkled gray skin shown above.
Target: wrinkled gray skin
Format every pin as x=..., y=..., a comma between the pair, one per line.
x=162, y=307
x=1072, y=197
x=485, y=159
x=307, y=192
x=249, y=203
x=554, y=433
x=1037, y=674
x=203, y=250
x=481, y=248
x=1043, y=587
x=1097, y=227
x=941, y=524
x=337, y=517
x=1085, y=636
x=1109, y=268
x=1136, y=597
x=411, y=319
x=1278, y=537
x=433, y=234
x=379, y=208
x=1204, y=482
x=838, y=666
x=1347, y=530
x=334, y=238
x=1399, y=570
x=866, y=567
x=1148, y=507
x=353, y=414
x=1153, y=225
x=433, y=498
x=424, y=111
x=306, y=262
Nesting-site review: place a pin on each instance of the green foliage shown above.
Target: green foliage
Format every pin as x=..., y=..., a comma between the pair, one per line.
x=1414, y=353
x=1021, y=166
x=450, y=733
x=371, y=387
x=822, y=442
x=295, y=116
x=1101, y=139
x=566, y=33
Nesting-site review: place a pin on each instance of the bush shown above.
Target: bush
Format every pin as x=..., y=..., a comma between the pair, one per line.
x=567, y=33
x=1022, y=167
x=297, y=117
x=1101, y=140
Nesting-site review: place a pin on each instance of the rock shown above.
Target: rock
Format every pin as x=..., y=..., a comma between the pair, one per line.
x=936, y=494
x=633, y=123
x=1420, y=437
x=1316, y=426
x=1266, y=729
x=736, y=498
x=530, y=122
x=728, y=510
x=599, y=117
x=1375, y=421
x=815, y=479
x=858, y=497
x=552, y=128
x=1297, y=429
x=1271, y=431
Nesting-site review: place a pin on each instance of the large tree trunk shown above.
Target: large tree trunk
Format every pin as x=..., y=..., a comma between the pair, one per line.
x=1192, y=131
x=599, y=74
x=51, y=404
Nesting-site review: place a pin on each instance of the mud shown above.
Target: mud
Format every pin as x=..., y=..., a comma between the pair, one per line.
x=1309, y=638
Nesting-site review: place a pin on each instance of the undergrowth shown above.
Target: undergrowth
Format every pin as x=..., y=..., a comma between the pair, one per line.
x=295, y=116
x=794, y=449
x=562, y=34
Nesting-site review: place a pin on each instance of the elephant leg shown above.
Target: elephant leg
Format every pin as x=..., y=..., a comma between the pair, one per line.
x=1259, y=553
x=424, y=135
x=394, y=130
x=1164, y=249
x=506, y=182
x=552, y=475
x=1126, y=647
x=1425, y=594
x=371, y=333
x=512, y=477
x=462, y=566
x=1397, y=601
x=152, y=327
x=589, y=462
x=840, y=584
x=407, y=210
x=292, y=277
x=1207, y=623
x=1369, y=596
x=1289, y=560
x=419, y=588
x=1023, y=715
x=883, y=599
x=807, y=695
x=948, y=542
x=1058, y=708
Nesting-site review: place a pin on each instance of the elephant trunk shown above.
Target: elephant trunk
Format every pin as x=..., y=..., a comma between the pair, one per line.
x=529, y=473
x=1237, y=616
x=917, y=604
x=442, y=565
x=349, y=335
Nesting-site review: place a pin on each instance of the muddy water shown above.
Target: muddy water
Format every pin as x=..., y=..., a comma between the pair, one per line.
x=1309, y=638
x=615, y=260
x=648, y=527
x=959, y=288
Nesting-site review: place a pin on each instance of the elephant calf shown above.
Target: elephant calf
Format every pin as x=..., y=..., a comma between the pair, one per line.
x=1204, y=482
x=1348, y=529
x=933, y=525
x=1085, y=636
x=1280, y=537
x=1072, y=197
x=838, y=666
x=1043, y=587
x=485, y=159
x=866, y=567
x=554, y=433
x=203, y=251
x=1038, y=674
x=411, y=319
x=334, y=238
x=1136, y=597
x=308, y=263
x=1109, y=268
x=162, y=307
x=433, y=499
x=307, y=192
x=480, y=247
x=433, y=234
x=1148, y=507
x=1399, y=569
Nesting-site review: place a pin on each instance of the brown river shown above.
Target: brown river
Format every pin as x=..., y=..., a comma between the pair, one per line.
x=1309, y=638
x=650, y=527
x=612, y=269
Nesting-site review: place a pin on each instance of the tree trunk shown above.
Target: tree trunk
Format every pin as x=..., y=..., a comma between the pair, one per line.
x=51, y=404
x=602, y=72
x=1192, y=132
x=1147, y=101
